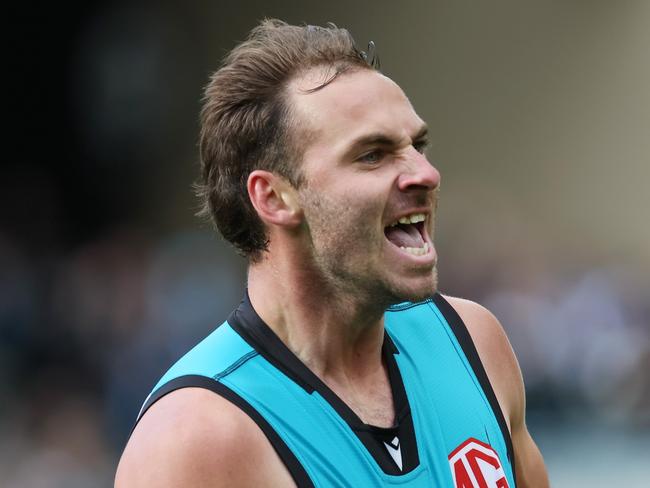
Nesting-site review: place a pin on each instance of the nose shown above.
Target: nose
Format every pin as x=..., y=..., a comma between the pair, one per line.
x=418, y=173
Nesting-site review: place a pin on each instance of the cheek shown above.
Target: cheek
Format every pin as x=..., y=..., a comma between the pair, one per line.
x=344, y=221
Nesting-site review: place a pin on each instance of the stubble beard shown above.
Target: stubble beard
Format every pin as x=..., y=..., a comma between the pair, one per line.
x=348, y=257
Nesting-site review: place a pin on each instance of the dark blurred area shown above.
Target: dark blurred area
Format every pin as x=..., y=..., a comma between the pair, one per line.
x=540, y=116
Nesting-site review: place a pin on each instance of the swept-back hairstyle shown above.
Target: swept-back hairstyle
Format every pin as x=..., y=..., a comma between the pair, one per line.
x=246, y=120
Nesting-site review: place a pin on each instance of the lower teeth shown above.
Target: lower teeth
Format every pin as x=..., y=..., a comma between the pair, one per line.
x=417, y=251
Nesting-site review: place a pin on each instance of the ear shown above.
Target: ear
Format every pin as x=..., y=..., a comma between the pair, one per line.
x=274, y=199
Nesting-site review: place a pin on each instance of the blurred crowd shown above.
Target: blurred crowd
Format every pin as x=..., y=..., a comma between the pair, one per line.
x=83, y=339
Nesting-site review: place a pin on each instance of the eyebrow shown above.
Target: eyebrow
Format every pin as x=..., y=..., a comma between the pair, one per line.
x=380, y=138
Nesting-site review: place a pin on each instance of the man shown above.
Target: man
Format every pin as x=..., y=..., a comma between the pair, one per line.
x=342, y=366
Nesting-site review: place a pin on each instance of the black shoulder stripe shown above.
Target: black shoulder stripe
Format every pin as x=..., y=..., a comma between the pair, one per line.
x=465, y=340
x=289, y=459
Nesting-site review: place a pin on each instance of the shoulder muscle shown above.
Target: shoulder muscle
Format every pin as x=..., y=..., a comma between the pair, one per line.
x=502, y=369
x=194, y=437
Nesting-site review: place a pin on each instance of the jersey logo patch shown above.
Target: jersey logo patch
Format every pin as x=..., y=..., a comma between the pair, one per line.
x=395, y=451
x=474, y=464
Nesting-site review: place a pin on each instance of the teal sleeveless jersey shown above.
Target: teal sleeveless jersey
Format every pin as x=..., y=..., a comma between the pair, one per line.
x=449, y=430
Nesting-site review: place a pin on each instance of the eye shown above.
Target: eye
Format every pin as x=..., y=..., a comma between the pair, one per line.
x=421, y=146
x=372, y=157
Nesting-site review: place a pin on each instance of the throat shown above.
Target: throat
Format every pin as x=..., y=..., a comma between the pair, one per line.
x=374, y=406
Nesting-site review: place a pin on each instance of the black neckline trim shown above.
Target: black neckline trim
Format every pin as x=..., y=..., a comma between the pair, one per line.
x=459, y=329
x=250, y=326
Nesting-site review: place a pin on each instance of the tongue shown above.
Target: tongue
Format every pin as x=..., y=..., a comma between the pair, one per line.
x=404, y=236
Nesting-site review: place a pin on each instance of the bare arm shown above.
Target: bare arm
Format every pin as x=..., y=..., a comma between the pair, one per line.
x=504, y=373
x=193, y=437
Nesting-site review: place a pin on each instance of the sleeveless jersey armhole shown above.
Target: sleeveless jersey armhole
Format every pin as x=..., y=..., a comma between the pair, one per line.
x=296, y=469
x=459, y=329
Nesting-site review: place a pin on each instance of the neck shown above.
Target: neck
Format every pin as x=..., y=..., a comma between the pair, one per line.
x=337, y=335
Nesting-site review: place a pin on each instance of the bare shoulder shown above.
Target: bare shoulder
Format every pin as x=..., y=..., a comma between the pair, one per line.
x=504, y=374
x=194, y=437
x=481, y=323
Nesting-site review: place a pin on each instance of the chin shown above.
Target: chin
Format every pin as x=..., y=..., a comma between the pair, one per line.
x=417, y=290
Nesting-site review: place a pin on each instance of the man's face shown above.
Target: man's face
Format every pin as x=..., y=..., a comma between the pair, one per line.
x=365, y=170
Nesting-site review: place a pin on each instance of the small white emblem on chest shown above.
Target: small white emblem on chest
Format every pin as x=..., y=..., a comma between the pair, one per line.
x=395, y=451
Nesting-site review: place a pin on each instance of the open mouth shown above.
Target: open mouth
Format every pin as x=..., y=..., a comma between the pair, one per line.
x=409, y=234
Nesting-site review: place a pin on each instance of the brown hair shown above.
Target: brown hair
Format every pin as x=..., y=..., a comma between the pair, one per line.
x=246, y=120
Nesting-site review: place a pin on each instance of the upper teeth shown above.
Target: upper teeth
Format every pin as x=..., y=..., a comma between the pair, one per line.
x=409, y=219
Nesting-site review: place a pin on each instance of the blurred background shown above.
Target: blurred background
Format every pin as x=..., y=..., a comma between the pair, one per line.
x=540, y=119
